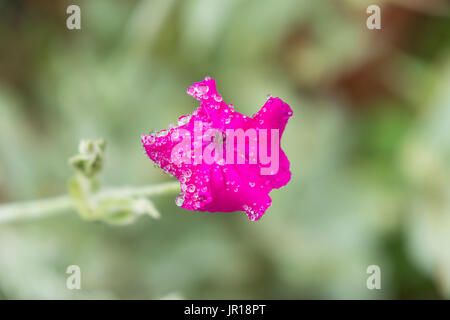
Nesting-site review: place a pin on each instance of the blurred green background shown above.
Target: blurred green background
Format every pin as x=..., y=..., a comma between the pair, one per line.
x=369, y=146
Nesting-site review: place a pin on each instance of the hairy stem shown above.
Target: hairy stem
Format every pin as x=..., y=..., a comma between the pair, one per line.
x=47, y=207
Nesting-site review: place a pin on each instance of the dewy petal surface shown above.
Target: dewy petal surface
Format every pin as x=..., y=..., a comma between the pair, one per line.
x=221, y=186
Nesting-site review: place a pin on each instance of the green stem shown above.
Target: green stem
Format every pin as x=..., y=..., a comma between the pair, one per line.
x=47, y=207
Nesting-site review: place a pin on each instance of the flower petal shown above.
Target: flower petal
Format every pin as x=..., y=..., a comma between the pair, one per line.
x=222, y=186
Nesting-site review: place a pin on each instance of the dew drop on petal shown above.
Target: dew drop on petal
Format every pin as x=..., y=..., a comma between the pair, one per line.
x=201, y=90
x=175, y=135
x=184, y=120
x=150, y=139
x=162, y=133
x=179, y=200
x=191, y=91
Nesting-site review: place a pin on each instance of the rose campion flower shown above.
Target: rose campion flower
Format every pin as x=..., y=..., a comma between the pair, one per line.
x=224, y=160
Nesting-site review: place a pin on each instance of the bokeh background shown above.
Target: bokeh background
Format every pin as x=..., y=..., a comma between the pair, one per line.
x=369, y=146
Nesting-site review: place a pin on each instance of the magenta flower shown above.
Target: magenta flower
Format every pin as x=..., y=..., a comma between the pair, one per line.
x=224, y=160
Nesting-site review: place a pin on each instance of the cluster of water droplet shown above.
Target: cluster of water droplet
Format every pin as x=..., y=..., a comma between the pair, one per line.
x=232, y=186
x=151, y=138
x=198, y=91
x=255, y=211
x=202, y=91
x=252, y=214
x=158, y=145
x=194, y=190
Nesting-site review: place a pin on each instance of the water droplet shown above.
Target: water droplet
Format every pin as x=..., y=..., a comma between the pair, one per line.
x=218, y=98
x=252, y=184
x=150, y=139
x=183, y=120
x=190, y=91
x=227, y=120
x=175, y=135
x=179, y=200
x=201, y=90
x=191, y=188
x=162, y=133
